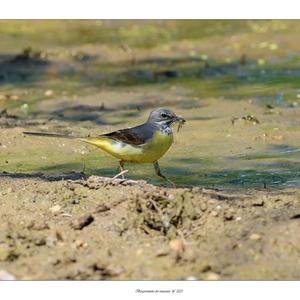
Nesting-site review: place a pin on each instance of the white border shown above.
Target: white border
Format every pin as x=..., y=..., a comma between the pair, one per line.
x=82, y=290
x=151, y=9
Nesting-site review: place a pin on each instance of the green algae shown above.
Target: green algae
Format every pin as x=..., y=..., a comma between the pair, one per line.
x=208, y=71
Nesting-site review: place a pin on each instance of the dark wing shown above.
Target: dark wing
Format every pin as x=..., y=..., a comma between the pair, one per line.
x=134, y=136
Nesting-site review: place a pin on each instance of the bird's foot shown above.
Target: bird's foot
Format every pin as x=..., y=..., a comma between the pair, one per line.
x=170, y=182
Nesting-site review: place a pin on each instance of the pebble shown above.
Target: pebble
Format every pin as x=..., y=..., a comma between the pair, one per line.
x=40, y=242
x=51, y=241
x=37, y=225
x=4, y=275
x=277, y=137
x=82, y=222
x=258, y=202
x=203, y=207
x=75, y=201
x=9, y=190
x=139, y=252
x=48, y=93
x=55, y=208
x=228, y=215
x=214, y=213
x=14, y=97
x=101, y=208
x=212, y=276
x=53, y=261
x=171, y=197
x=54, y=238
x=255, y=236
x=80, y=244
x=196, y=190
x=191, y=278
x=162, y=252
x=177, y=245
x=204, y=266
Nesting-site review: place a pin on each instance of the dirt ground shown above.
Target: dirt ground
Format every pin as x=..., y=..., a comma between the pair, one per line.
x=71, y=227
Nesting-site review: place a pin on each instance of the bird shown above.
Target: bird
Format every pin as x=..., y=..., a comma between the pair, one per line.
x=145, y=143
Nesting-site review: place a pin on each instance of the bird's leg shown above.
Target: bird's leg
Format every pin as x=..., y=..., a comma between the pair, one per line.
x=158, y=172
x=122, y=171
x=83, y=169
x=122, y=168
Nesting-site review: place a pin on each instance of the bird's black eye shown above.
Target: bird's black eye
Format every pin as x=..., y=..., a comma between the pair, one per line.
x=164, y=115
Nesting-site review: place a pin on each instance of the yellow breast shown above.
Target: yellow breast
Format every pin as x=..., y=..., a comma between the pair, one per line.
x=146, y=153
x=157, y=147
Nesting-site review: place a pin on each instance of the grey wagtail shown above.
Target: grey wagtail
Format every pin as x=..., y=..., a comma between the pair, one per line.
x=145, y=143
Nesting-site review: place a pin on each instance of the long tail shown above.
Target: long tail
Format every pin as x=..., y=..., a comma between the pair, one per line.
x=47, y=134
x=96, y=141
x=100, y=141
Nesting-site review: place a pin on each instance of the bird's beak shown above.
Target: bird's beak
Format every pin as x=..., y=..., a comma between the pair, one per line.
x=180, y=119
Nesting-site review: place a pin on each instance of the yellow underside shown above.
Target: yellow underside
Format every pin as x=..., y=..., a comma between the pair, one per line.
x=146, y=153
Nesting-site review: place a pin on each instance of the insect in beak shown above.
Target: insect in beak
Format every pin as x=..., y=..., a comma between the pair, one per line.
x=180, y=120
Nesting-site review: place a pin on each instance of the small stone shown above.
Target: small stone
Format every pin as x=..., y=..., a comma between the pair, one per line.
x=258, y=202
x=4, y=275
x=40, y=242
x=191, y=278
x=80, y=244
x=71, y=259
x=214, y=213
x=53, y=239
x=177, y=245
x=9, y=190
x=8, y=254
x=277, y=137
x=48, y=93
x=203, y=207
x=197, y=189
x=255, y=237
x=101, y=208
x=14, y=97
x=171, y=197
x=295, y=216
x=38, y=225
x=212, y=276
x=82, y=222
x=75, y=201
x=139, y=252
x=228, y=215
x=204, y=266
x=162, y=252
x=54, y=261
x=55, y=208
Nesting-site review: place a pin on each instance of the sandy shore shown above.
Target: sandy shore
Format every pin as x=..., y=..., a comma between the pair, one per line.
x=71, y=227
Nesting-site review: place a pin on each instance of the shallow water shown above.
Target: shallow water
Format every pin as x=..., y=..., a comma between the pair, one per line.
x=215, y=153
x=241, y=99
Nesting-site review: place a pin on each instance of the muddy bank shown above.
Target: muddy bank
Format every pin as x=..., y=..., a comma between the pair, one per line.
x=96, y=228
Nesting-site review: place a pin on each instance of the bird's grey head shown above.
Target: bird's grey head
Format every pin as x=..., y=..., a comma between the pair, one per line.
x=164, y=116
